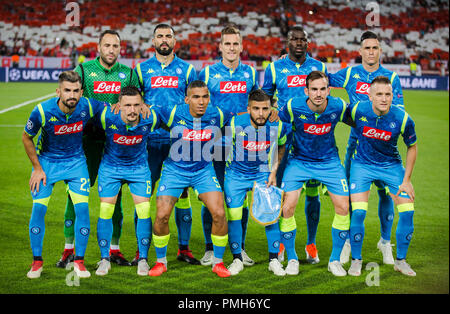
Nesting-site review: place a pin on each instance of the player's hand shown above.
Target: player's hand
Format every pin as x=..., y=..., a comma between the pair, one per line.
x=37, y=176
x=115, y=108
x=272, y=180
x=408, y=188
x=145, y=111
x=274, y=115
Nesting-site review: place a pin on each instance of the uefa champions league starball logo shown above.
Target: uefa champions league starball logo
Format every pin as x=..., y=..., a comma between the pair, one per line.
x=14, y=75
x=29, y=124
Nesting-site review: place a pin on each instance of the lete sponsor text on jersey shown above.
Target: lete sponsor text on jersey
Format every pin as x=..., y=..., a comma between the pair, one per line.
x=197, y=135
x=164, y=82
x=296, y=80
x=317, y=129
x=127, y=140
x=239, y=87
x=362, y=88
x=377, y=134
x=255, y=146
x=103, y=87
x=68, y=128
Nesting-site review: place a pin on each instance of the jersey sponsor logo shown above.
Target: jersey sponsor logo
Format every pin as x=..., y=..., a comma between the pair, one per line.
x=233, y=87
x=69, y=128
x=165, y=82
x=103, y=87
x=127, y=140
x=255, y=146
x=377, y=134
x=197, y=135
x=296, y=80
x=317, y=129
x=362, y=88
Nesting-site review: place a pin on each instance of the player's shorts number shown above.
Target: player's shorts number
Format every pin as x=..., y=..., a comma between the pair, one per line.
x=216, y=182
x=149, y=187
x=85, y=184
x=344, y=185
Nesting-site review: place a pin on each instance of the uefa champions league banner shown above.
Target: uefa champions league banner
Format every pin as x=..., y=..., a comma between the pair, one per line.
x=29, y=75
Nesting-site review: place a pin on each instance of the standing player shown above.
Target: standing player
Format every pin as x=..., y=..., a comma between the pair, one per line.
x=378, y=127
x=229, y=82
x=315, y=155
x=194, y=126
x=257, y=147
x=356, y=81
x=284, y=79
x=125, y=160
x=59, y=156
x=164, y=79
x=102, y=79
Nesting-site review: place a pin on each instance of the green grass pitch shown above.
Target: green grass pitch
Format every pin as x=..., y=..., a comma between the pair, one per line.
x=428, y=253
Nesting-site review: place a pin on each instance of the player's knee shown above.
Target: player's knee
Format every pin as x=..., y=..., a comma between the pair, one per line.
x=106, y=210
x=143, y=210
x=341, y=206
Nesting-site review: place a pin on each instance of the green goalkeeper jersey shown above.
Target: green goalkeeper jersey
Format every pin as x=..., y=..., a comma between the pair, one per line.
x=103, y=84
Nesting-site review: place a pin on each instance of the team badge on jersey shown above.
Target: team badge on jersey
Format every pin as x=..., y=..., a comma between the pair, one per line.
x=122, y=75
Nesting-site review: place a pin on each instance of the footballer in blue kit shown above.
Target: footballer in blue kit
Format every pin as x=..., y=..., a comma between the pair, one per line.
x=164, y=79
x=356, y=81
x=257, y=147
x=194, y=126
x=125, y=161
x=379, y=126
x=315, y=156
x=229, y=82
x=59, y=156
x=283, y=80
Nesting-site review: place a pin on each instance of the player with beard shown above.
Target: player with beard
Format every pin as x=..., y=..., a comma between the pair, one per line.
x=284, y=79
x=102, y=78
x=164, y=79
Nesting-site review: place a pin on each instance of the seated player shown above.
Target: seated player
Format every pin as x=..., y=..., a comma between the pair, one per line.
x=257, y=147
x=125, y=161
x=378, y=127
x=194, y=126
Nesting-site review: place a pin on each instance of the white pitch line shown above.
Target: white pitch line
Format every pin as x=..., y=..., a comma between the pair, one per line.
x=11, y=126
x=26, y=103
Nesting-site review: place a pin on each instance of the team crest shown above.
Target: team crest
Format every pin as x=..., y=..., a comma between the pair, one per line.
x=333, y=116
x=83, y=114
x=144, y=128
x=179, y=71
x=392, y=125
x=246, y=75
x=212, y=122
x=122, y=75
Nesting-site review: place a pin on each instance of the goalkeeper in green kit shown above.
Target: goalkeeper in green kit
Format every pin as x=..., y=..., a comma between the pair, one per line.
x=102, y=79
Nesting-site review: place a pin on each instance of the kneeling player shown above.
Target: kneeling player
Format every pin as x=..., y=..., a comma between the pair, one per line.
x=378, y=127
x=254, y=143
x=125, y=161
x=193, y=128
x=315, y=156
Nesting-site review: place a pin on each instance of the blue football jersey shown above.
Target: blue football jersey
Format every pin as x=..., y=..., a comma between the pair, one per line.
x=229, y=88
x=356, y=81
x=253, y=149
x=126, y=145
x=61, y=134
x=286, y=78
x=314, y=133
x=192, y=139
x=378, y=135
x=164, y=86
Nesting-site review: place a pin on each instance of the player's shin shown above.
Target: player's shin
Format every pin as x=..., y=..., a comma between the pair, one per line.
x=288, y=229
x=386, y=214
x=117, y=220
x=143, y=228
x=207, y=227
x=339, y=233
x=312, y=212
x=105, y=228
x=273, y=236
x=235, y=231
x=82, y=223
x=37, y=225
x=244, y=221
x=405, y=229
x=183, y=220
x=69, y=220
x=357, y=229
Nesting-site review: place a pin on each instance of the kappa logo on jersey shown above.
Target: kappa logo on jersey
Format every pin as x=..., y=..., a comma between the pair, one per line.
x=363, y=119
x=197, y=135
x=127, y=140
x=182, y=122
x=165, y=82
x=234, y=87
x=102, y=87
x=362, y=88
x=69, y=128
x=377, y=134
x=303, y=117
x=255, y=146
x=284, y=71
x=296, y=80
x=356, y=76
x=317, y=129
x=113, y=127
x=53, y=119
x=93, y=74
